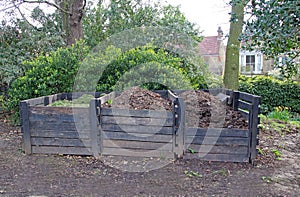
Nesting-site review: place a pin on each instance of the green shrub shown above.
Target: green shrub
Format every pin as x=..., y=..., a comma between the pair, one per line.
x=273, y=92
x=65, y=71
x=131, y=66
x=47, y=75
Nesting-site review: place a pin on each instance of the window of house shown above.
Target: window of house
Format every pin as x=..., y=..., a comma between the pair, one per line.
x=250, y=62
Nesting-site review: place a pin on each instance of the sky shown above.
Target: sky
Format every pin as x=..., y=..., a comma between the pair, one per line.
x=208, y=14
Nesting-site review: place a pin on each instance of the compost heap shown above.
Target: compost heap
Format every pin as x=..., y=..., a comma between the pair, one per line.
x=202, y=109
x=138, y=98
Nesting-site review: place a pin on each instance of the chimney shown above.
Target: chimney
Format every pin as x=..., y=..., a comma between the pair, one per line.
x=220, y=33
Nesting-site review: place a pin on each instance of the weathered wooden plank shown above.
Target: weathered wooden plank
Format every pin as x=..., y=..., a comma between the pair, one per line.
x=25, y=127
x=94, y=128
x=217, y=140
x=179, y=135
x=138, y=153
x=254, y=126
x=107, y=97
x=215, y=132
x=34, y=117
x=235, y=100
x=246, y=97
x=61, y=142
x=217, y=149
x=138, y=129
x=136, y=113
x=244, y=105
x=60, y=134
x=57, y=110
x=245, y=114
x=218, y=157
x=60, y=126
x=137, y=145
x=136, y=137
x=137, y=121
x=172, y=96
x=36, y=101
x=61, y=150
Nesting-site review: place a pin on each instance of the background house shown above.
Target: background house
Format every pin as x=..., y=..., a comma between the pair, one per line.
x=213, y=49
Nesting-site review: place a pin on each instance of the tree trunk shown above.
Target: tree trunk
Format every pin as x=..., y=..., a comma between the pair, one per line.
x=231, y=74
x=72, y=12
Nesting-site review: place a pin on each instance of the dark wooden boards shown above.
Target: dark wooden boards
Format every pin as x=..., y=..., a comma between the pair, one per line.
x=136, y=113
x=138, y=133
x=219, y=132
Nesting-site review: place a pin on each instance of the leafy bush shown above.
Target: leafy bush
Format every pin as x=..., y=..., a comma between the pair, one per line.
x=273, y=92
x=65, y=71
x=47, y=75
x=135, y=64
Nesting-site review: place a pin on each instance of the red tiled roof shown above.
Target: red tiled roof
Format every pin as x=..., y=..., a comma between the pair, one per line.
x=209, y=46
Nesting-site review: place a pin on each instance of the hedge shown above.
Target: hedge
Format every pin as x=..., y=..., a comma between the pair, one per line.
x=274, y=92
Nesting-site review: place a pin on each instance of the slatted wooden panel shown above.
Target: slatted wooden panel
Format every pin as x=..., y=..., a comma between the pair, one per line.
x=54, y=130
x=138, y=133
x=230, y=145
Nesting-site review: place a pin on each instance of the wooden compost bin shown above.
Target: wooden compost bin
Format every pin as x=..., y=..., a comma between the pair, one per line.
x=58, y=130
x=95, y=130
x=224, y=144
x=139, y=133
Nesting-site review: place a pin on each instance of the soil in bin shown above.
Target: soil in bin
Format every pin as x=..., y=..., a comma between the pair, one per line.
x=202, y=109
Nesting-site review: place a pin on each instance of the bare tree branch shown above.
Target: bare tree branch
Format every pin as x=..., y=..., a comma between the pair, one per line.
x=23, y=16
x=49, y=3
x=84, y=4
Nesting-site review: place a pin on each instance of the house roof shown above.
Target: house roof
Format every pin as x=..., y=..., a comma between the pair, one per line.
x=210, y=45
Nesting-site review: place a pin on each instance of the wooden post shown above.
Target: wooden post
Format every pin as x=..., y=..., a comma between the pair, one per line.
x=235, y=100
x=94, y=128
x=179, y=110
x=26, y=137
x=253, y=128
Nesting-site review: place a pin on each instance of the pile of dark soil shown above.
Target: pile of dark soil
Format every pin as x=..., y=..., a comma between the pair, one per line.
x=138, y=98
x=204, y=110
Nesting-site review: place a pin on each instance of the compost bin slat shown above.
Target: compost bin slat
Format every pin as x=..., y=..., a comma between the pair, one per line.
x=59, y=126
x=61, y=150
x=218, y=157
x=137, y=145
x=217, y=140
x=60, y=142
x=136, y=153
x=137, y=121
x=244, y=105
x=137, y=137
x=136, y=113
x=245, y=96
x=245, y=114
x=138, y=129
x=55, y=117
x=216, y=132
x=212, y=149
x=60, y=134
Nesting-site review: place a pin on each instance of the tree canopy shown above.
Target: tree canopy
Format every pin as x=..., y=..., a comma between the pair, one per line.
x=273, y=28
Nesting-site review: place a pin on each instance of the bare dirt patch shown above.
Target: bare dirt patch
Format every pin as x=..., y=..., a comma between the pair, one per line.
x=58, y=175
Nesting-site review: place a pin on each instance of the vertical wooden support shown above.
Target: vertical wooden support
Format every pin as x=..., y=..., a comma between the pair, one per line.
x=179, y=110
x=254, y=126
x=94, y=128
x=24, y=112
x=46, y=100
x=235, y=100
